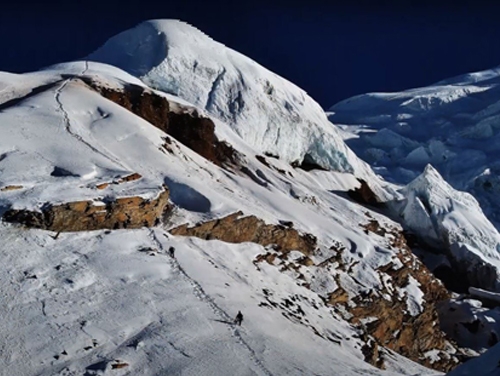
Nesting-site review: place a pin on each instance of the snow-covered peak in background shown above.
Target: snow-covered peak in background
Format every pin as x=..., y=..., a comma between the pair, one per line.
x=453, y=222
x=268, y=112
x=453, y=125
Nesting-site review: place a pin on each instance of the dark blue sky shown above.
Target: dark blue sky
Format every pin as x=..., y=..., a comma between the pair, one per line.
x=333, y=51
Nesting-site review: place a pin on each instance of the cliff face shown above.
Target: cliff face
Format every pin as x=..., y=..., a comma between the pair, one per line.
x=395, y=328
x=186, y=125
x=386, y=316
x=124, y=212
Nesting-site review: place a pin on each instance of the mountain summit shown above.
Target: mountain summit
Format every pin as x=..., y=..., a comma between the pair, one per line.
x=268, y=112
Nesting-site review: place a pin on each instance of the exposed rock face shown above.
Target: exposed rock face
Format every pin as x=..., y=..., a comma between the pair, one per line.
x=188, y=127
x=126, y=212
x=364, y=195
x=383, y=316
x=11, y=188
x=394, y=328
x=237, y=229
x=125, y=179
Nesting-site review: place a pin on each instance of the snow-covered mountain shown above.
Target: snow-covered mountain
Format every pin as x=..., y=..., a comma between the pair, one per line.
x=452, y=125
x=155, y=189
x=269, y=113
x=93, y=301
x=452, y=222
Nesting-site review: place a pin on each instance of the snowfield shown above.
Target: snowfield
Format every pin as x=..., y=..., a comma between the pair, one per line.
x=82, y=302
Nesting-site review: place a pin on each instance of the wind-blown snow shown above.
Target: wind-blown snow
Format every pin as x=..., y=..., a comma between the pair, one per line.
x=268, y=112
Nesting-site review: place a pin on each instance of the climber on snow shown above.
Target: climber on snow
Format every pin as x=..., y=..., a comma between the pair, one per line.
x=239, y=318
x=171, y=252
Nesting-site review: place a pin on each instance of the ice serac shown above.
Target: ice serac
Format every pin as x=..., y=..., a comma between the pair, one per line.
x=268, y=112
x=452, y=221
x=452, y=124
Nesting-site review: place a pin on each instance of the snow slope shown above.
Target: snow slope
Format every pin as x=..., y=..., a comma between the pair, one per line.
x=268, y=112
x=84, y=303
x=98, y=297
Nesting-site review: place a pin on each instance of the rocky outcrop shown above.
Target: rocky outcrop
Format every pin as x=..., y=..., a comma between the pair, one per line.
x=125, y=179
x=236, y=228
x=364, y=195
x=11, y=188
x=394, y=327
x=124, y=212
x=187, y=126
x=383, y=315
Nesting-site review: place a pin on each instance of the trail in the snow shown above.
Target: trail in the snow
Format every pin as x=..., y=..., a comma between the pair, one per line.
x=67, y=123
x=200, y=293
x=32, y=93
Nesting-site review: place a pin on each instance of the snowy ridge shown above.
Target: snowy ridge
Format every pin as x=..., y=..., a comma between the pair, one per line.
x=451, y=220
x=472, y=78
x=268, y=112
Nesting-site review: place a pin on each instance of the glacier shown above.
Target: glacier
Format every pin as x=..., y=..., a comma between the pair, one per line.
x=452, y=125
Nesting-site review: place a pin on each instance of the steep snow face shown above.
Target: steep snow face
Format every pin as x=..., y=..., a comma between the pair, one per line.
x=453, y=125
x=268, y=112
x=453, y=220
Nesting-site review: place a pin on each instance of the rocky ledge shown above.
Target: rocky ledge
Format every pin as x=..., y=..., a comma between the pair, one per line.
x=123, y=212
x=236, y=228
x=186, y=125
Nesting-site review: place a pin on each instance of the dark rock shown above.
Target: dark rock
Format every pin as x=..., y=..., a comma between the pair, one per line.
x=364, y=195
x=189, y=128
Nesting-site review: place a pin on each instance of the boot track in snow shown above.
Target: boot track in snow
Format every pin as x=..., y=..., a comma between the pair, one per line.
x=203, y=296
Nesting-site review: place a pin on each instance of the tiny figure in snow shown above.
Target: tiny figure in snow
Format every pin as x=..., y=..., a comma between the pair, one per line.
x=239, y=318
x=171, y=252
